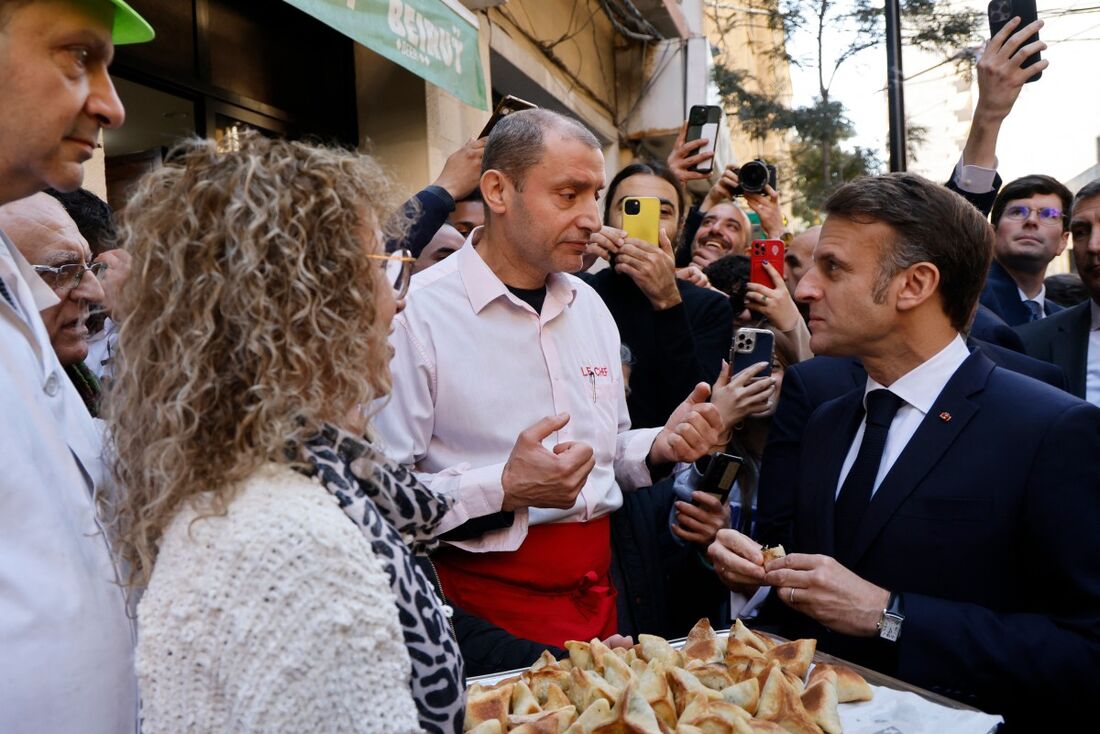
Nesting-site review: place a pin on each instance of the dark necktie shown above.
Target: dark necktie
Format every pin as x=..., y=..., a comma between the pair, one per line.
x=1034, y=312
x=855, y=494
x=4, y=292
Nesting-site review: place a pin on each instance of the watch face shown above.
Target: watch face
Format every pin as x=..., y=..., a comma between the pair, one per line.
x=891, y=627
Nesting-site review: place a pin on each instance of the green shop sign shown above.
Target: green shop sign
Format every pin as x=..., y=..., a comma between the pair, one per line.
x=427, y=37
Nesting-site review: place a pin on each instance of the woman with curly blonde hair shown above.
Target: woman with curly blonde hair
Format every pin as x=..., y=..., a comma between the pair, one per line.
x=275, y=544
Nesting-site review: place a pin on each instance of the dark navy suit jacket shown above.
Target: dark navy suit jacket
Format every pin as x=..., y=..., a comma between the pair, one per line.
x=1001, y=295
x=1062, y=340
x=986, y=525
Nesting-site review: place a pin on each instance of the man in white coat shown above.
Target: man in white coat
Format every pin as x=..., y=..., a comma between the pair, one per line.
x=66, y=644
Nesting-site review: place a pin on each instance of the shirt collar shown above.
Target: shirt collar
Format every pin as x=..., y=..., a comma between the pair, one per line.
x=920, y=386
x=483, y=286
x=1040, y=297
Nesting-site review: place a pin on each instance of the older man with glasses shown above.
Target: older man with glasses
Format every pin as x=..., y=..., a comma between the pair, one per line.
x=48, y=237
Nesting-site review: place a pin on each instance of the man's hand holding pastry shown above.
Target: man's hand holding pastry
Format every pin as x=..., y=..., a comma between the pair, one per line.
x=821, y=588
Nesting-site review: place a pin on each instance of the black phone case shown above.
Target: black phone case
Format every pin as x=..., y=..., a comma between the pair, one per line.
x=1002, y=11
x=695, y=130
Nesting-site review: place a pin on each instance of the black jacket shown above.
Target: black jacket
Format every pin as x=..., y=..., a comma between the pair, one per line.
x=673, y=349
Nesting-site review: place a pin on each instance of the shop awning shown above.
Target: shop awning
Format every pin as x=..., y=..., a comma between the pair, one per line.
x=430, y=38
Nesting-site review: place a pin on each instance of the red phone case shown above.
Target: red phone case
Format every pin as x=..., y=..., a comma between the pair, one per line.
x=772, y=251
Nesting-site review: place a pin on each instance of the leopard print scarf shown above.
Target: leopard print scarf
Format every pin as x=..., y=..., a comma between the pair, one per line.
x=398, y=515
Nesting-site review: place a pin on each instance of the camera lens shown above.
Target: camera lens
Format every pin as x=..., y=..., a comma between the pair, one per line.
x=632, y=206
x=754, y=177
x=697, y=117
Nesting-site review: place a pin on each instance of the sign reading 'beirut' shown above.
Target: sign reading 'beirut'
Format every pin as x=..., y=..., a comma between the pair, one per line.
x=425, y=36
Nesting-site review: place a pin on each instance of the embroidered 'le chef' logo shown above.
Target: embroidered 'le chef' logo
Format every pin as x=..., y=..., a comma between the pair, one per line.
x=589, y=371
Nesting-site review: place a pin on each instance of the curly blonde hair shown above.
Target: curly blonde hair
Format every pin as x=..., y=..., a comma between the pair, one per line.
x=252, y=319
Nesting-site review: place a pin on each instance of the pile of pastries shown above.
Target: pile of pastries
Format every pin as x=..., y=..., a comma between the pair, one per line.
x=744, y=683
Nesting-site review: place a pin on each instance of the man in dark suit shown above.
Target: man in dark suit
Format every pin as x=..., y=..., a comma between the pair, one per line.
x=944, y=514
x=1071, y=338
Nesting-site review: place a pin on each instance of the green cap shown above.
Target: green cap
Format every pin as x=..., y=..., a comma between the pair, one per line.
x=129, y=26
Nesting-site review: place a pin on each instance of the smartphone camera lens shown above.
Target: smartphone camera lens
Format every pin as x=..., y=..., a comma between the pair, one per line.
x=632, y=206
x=697, y=116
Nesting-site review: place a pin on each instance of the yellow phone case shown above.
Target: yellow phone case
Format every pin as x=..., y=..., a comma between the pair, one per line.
x=645, y=224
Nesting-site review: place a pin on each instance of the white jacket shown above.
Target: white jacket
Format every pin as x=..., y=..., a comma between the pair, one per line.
x=276, y=617
x=66, y=645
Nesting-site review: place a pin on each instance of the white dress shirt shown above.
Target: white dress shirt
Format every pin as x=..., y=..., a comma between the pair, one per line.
x=66, y=643
x=1092, y=360
x=975, y=179
x=919, y=388
x=474, y=366
x=1040, y=298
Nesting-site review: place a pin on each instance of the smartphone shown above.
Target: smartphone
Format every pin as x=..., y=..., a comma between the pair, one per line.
x=1002, y=11
x=766, y=251
x=642, y=218
x=703, y=123
x=506, y=106
x=720, y=474
x=749, y=347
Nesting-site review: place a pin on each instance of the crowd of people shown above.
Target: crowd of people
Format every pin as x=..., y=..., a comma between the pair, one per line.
x=285, y=453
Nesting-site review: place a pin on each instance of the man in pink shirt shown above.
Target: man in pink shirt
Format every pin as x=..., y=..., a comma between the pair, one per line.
x=508, y=395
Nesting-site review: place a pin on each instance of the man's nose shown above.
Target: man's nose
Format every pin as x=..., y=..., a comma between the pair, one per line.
x=589, y=217
x=89, y=289
x=807, y=289
x=103, y=102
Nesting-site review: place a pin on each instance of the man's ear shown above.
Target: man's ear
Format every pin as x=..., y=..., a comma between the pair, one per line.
x=1062, y=245
x=496, y=190
x=918, y=283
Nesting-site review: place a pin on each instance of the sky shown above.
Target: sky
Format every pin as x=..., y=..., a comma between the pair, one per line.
x=1053, y=128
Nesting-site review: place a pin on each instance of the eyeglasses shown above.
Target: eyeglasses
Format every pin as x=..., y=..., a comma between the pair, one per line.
x=1049, y=215
x=66, y=277
x=397, y=266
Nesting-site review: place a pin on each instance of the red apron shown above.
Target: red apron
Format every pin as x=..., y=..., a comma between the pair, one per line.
x=555, y=587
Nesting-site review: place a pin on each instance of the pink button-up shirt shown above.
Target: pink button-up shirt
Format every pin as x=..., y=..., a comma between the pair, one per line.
x=474, y=366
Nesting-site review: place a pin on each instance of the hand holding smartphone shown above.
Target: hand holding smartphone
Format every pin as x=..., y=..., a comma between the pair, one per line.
x=772, y=252
x=751, y=346
x=703, y=123
x=1002, y=11
x=642, y=218
x=505, y=107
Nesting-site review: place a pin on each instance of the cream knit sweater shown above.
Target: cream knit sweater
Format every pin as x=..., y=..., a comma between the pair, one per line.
x=274, y=618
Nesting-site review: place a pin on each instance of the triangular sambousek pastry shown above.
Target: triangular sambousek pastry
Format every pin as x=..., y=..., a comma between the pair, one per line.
x=750, y=638
x=595, y=716
x=523, y=701
x=745, y=694
x=736, y=648
x=684, y=685
x=487, y=727
x=820, y=701
x=546, y=660
x=554, y=699
x=794, y=657
x=850, y=685
x=772, y=552
x=714, y=715
x=653, y=684
x=780, y=703
x=540, y=681
x=580, y=654
x=635, y=713
x=615, y=670
x=715, y=676
x=547, y=722
x=587, y=687
x=651, y=647
x=759, y=726
x=702, y=643
x=487, y=704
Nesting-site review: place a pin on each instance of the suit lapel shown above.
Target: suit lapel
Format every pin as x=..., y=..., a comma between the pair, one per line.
x=833, y=451
x=1071, y=350
x=933, y=437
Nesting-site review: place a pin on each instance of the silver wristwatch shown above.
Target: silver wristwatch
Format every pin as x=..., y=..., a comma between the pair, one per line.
x=889, y=624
